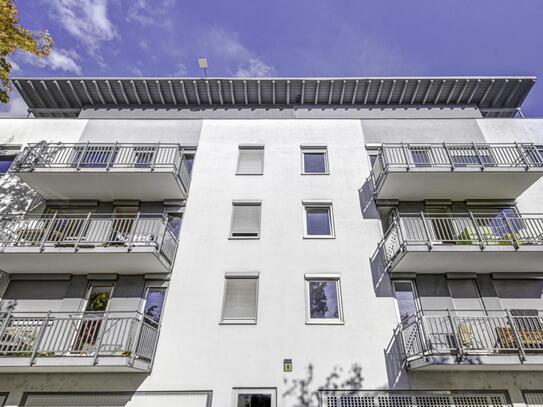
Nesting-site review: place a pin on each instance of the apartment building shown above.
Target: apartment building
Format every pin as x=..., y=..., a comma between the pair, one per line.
x=230, y=242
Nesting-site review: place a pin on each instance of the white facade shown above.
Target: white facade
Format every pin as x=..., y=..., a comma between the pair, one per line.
x=200, y=361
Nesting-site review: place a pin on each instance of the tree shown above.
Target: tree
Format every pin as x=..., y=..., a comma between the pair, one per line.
x=13, y=37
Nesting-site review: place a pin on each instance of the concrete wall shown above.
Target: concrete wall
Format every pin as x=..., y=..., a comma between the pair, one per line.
x=195, y=352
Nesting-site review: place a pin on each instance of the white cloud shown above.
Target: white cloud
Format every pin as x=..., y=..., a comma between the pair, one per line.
x=57, y=60
x=255, y=67
x=86, y=20
x=181, y=70
x=14, y=66
x=230, y=52
x=16, y=107
x=148, y=13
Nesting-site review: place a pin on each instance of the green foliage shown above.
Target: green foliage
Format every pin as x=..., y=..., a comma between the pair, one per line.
x=13, y=37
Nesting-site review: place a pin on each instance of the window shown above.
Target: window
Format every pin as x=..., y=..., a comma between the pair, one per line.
x=144, y=156
x=254, y=397
x=250, y=160
x=318, y=220
x=5, y=163
x=323, y=299
x=240, y=298
x=245, y=220
x=407, y=304
x=154, y=302
x=314, y=160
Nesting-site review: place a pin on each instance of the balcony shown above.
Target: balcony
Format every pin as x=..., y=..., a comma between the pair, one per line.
x=414, y=172
x=86, y=243
x=105, y=172
x=475, y=340
x=77, y=342
x=427, y=243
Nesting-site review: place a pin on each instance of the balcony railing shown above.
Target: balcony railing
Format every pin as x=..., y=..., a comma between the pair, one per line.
x=483, y=230
x=89, y=231
x=453, y=156
x=106, y=157
x=79, y=334
x=475, y=333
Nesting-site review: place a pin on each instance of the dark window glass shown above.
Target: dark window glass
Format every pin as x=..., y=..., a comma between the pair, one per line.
x=5, y=163
x=154, y=303
x=190, y=161
x=314, y=162
x=421, y=156
x=254, y=400
x=318, y=221
x=323, y=299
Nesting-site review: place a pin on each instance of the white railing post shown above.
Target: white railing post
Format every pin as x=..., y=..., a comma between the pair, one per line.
x=451, y=162
x=78, y=167
x=82, y=231
x=102, y=329
x=476, y=150
x=406, y=156
x=155, y=155
x=39, y=338
x=477, y=231
x=133, y=231
x=47, y=231
x=459, y=345
x=522, y=156
x=111, y=155
x=522, y=353
x=427, y=231
x=513, y=236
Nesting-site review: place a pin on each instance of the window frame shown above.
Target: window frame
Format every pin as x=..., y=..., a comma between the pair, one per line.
x=242, y=147
x=340, y=320
x=245, y=203
x=239, y=276
x=149, y=285
x=317, y=149
x=319, y=205
x=237, y=391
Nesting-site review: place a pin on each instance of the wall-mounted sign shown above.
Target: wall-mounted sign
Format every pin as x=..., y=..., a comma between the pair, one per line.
x=287, y=365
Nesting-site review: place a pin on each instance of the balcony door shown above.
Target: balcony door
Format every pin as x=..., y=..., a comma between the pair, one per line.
x=406, y=298
x=90, y=323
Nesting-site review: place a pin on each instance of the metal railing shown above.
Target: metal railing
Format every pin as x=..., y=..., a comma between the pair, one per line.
x=89, y=231
x=452, y=156
x=88, y=334
x=423, y=229
x=105, y=156
x=473, y=332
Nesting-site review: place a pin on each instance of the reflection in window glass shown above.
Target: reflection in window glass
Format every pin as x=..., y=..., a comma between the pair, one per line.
x=254, y=400
x=318, y=221
x=405, y=296
x=314, y=163
x=154, y=302
x=5, y=163
x=323, y=299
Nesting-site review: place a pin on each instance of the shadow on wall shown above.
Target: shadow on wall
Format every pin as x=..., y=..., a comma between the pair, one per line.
x=16, y=196
x=304, y=392
x=395, y=360
x=367, y=203
x=380, y=277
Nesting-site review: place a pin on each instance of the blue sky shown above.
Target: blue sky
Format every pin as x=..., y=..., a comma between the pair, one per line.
x=287, y=38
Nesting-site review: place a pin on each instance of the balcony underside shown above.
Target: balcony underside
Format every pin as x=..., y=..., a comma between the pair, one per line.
x=99, y=184
x=468, y=258
x=499, y=362
x=72, y=364
x=140, y=260
x=471, y=183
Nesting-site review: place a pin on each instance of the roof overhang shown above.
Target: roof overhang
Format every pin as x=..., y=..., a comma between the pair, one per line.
x=66, y=97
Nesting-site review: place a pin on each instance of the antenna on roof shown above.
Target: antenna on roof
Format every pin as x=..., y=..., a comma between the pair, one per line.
x=202, y=62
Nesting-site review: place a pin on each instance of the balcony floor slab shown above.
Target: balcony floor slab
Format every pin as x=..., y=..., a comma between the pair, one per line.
x=424, y=183
x=97, y=183
x=501, y=362
x=72, y=364
x=140, y=260
x=469, y=258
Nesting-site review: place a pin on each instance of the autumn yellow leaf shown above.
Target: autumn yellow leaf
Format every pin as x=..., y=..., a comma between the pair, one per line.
x=14, y=37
